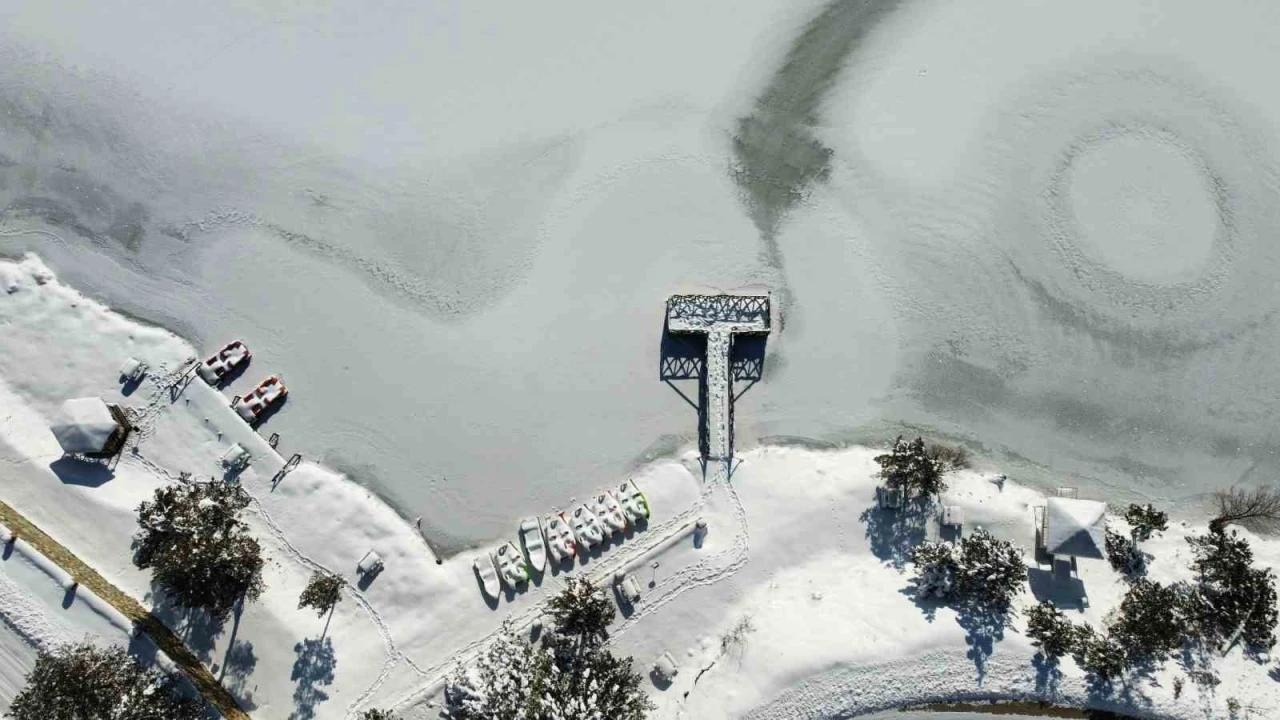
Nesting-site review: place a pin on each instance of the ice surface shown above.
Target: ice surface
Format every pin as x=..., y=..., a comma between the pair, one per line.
x=1052, y=240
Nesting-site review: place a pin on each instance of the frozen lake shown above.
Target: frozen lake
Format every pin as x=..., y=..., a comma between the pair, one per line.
x=453, y=235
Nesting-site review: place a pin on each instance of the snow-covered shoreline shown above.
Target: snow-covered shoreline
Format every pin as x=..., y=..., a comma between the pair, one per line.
x=793, y=541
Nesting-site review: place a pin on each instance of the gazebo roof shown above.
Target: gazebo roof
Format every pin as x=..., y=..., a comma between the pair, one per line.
x=1075, y=527
x=84, y=425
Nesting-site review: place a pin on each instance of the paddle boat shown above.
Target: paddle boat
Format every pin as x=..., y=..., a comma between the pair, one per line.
x=586, y=526
x=609, y=510
x=511, y=565
x=223, y=362
x=634, y=503
x=560, y=538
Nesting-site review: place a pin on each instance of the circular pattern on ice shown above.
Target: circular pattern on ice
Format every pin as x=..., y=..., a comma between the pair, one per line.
x=1138, y=199
x=1142, y=204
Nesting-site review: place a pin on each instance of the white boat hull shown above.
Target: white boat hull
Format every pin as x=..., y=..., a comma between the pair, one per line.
x=535, y=545
x=488, y=575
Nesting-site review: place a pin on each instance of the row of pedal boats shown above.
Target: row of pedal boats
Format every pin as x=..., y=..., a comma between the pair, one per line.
x=560, y=535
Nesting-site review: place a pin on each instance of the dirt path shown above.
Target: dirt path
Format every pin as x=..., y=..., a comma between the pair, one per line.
x=214, y=693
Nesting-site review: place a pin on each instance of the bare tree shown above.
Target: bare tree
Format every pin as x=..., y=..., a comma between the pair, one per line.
x=1257, y=509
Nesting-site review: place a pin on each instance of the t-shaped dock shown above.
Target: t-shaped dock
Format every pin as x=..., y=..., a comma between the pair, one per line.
x=720, y=318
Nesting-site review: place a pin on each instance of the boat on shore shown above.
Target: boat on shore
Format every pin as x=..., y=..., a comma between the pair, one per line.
x=561, y=541
x=511, y=566
x=609, y=510
x=586, y=526
x=535, y=547
x=634, y=503
x=488, y=576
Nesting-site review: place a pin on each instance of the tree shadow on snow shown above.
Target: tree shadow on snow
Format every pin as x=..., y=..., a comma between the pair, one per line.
x=311, y=671
x=893, y=533
x=983, y=629
x=198, y=629
x=237, y=666
x=1048, y=676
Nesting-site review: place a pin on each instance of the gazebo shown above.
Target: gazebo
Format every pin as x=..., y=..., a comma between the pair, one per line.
x=1069, y=527
x=89, y=426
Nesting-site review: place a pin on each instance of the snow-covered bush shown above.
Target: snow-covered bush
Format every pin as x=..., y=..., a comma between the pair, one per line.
x=948, y=457
x=1236, y=600
x=980, y=570
x=85, y=681
x=1145, y=521
x=910, y=466
x=1049, y=627
x=377, y=715
x=936, y=566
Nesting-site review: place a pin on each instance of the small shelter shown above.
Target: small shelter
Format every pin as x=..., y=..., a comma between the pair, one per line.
x=1072, y=528
x=89, y=426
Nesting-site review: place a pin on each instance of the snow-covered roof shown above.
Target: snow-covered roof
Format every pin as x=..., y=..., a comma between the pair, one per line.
x=83, y=425
x=1075, y=527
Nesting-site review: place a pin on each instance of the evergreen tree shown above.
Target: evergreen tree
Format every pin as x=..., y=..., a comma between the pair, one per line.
x=991, y=571
x=937, y=567
x=1101, y=656
x=1049, y=627
x=84, y=682
x=514, y=680
x=323, y=592
x=507, y=682
x=582, y=611
x=910, y=466
x=377, y=715
x=598, y=687
x=980, y=571
x=192, y=539
x=1149, y=622
x=1237, y=600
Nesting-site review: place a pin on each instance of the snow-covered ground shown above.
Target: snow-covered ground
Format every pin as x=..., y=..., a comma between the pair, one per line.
x=37, y=612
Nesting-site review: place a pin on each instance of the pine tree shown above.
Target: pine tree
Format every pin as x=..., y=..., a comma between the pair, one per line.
x=910, y=466
x=193, y=540
x=1237, y=600
x=1149, y=622
x=1101, y=656
x=377, y=715
x=599, y=687
x=992, y=571
x=980, y=571
x=582, y=611
x=507, y=682
x=84, y=682
x=514, y=680
x=323, y=592
x=1049, y=627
